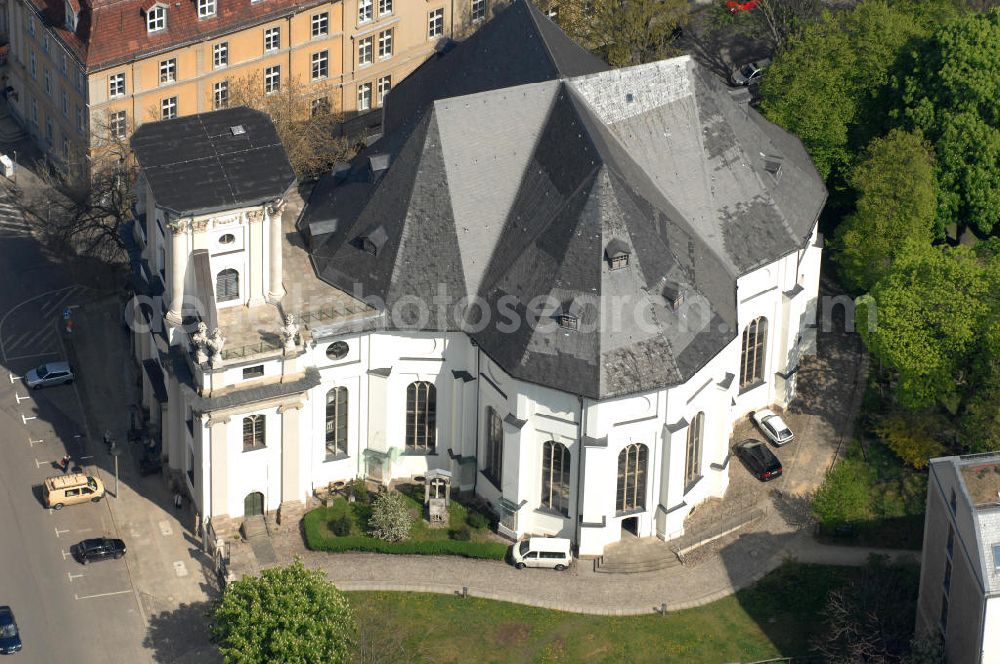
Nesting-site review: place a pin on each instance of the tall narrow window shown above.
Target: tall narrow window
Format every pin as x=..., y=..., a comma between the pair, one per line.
x=117, y=122
x=384, y=85
x=168, y=70
x=227, y=285
x=272, y=39
x=272, y=79
x=168, y=108
x=555, y=477
x=364, y=96
x=384, y=7
x=692, y=463
x=385, y=44
x=253, y=433
x=320, y=65
x=478, y=10
x=320, y=24
x=206, y=8
x=48, y=81
x=632, y=478
x=220, y=95
x=435, y=23
x=421, y=416
x=364, y=11
x=754, y=352
x=220, y=54
x=493, y=468
x=336, y=422
x=365, y=50
x=116, y=85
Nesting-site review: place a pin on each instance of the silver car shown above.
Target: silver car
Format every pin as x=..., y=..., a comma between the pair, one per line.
x=51, y=373
x=773, y=426
x=752, y=72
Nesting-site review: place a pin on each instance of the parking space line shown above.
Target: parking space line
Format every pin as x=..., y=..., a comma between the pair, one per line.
x=25, y=419
x=66, y=554
x=73, y=576
x=59, y=532
x=39, y=464
x=120, y=592
x=20, y=398
x=24, y=357
x=13, y=377
x=32, y=443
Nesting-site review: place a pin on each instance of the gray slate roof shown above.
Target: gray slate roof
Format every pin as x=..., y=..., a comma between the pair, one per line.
x=197, y=164
x=515, y=195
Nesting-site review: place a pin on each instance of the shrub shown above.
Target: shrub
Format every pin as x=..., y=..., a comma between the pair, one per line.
x=359, y=489
x=390, y=519
x=341, y=525
x=912, y=438
x=845, y=495
x=462, y=534
x=477, y=520
x=317, y=539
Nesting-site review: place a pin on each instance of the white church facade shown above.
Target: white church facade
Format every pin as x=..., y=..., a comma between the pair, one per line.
x=568, y=312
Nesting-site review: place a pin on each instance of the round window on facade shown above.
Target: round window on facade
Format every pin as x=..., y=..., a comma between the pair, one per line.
x=337, y=350
x=228, y=238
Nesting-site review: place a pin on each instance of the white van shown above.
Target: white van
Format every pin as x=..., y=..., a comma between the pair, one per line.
x=551, y=552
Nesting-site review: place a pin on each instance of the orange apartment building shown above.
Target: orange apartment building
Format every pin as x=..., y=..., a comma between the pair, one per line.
x=77, y=68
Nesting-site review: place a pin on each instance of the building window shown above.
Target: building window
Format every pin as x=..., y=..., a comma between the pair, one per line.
x=48, y=129
x=272, y=39
x=156, y=19
x=79, y=119
x=692, y=464
x=34, y=111
x=555, y=477
x=320, y=106
x=45, y=43
x=384, y=85
x=364, y=96
x=384, y=7
x=32, y=65
x=31, y=25
x=752, y=359
x=947, y=576
x=272, y=79
x=385, y=44
x=65, y=148
x=365, y=50
x=168, y=108
x=220, y=95
x=338, y=350
x=253, y=372
x=478, y=10
x=632, y=478
x=321, y=24
x=336, y=422
x=116, y=85
x=493, y=468
x=435, y=23
x=81, y=82
x=62, y=63
x=421, y=416
x=48, y=81
x=220, y=55
x=320, y=65
x=364, y=11
x=65, y=104
x=951, y=541
x=996, y=557
x=227, y=285
x=953, y=502
x=168, y=71
x=253, y=432
x=206, y=8
x=117, y=124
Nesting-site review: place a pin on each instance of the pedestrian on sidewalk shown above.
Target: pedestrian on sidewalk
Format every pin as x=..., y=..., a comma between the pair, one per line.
x=65, y=464
x=178, y=500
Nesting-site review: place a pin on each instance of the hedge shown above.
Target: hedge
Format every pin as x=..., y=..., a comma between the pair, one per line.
x=316, y=540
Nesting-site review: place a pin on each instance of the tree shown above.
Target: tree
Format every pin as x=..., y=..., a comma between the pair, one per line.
x=825, y=86
x=845, y=495
x=914, y=439
x=951, y=92
x=306, y=120
x=624, y=32
x=980, y=418
x=896, y=208
x=287, y=614
x=871, y=619
x=931, y=311
x=390, y=519
x=771, y=21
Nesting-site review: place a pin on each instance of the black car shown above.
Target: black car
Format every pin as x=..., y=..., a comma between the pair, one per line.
x=98, y=549
x=758, y=459
x=10, y=638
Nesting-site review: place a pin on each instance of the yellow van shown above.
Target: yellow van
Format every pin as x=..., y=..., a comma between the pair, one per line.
x=63, y=490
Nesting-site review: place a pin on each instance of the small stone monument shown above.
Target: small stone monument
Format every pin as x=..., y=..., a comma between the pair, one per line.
x=288, y=333
x=437, y=495
x=215, y=344
x=200, y=341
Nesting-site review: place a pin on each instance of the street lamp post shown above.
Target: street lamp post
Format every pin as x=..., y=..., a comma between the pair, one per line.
x=115, y=452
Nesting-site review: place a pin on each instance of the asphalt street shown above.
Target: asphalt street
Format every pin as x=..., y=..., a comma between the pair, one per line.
x=65, y=611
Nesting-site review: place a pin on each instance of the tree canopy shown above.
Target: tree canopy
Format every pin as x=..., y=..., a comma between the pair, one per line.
x=287, y=614
x=951, y=92
x=895, y=211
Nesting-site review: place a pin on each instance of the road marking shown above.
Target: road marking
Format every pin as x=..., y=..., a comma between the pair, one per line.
x=73, y=576
x=58, y=532
x=17, y=342
x=3, y=350
x=13, y=377
x=39, y=464
x=66, y=554
x=32, y=443
x=165, y=528
x=25, y=419
x=84, y=530
x=89, y=456
x=20, y=398
x=51, y=306
x=120, y=592
x=179, y=568
x=78, y=435
x=24, y=357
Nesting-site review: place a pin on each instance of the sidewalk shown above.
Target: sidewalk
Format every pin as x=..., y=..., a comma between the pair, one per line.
x=166, y=566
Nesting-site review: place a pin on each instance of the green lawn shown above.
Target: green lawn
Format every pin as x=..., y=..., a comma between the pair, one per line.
x=777, y=617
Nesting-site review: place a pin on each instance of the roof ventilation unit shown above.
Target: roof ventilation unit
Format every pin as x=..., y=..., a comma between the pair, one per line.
x=237, y=130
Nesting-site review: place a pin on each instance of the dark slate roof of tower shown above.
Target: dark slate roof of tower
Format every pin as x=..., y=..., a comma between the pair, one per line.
x=519, y=45
x=655, y=161
x=202, y=163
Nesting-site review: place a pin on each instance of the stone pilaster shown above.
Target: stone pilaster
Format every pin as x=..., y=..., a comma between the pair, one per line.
x=258, y=258
x=219, y=467
x=272, y=219
x=291, y=494
x=178, y=268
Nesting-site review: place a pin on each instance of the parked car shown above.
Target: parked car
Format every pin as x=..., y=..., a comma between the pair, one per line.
x=759, y=459
x=47, y=375
x=72, y=489
x=751, y=72
x=773, y=426
x=553, y=552
x=100, y=548
x=10, y=637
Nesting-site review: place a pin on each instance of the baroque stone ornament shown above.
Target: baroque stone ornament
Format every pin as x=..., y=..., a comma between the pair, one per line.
x=289, y=331
x=200, y=341
x=177, y=225
x=215, y=344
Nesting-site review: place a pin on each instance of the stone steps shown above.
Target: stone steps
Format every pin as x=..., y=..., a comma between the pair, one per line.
x=605, y=566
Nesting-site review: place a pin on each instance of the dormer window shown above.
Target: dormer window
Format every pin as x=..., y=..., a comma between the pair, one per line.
x=156, y=18
x=70, y=18
x=617, y=254
x=772, y=164
x=673, y=294
x=373, y=242
x=568, y=316
x=206, y=8
x=568, y=321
